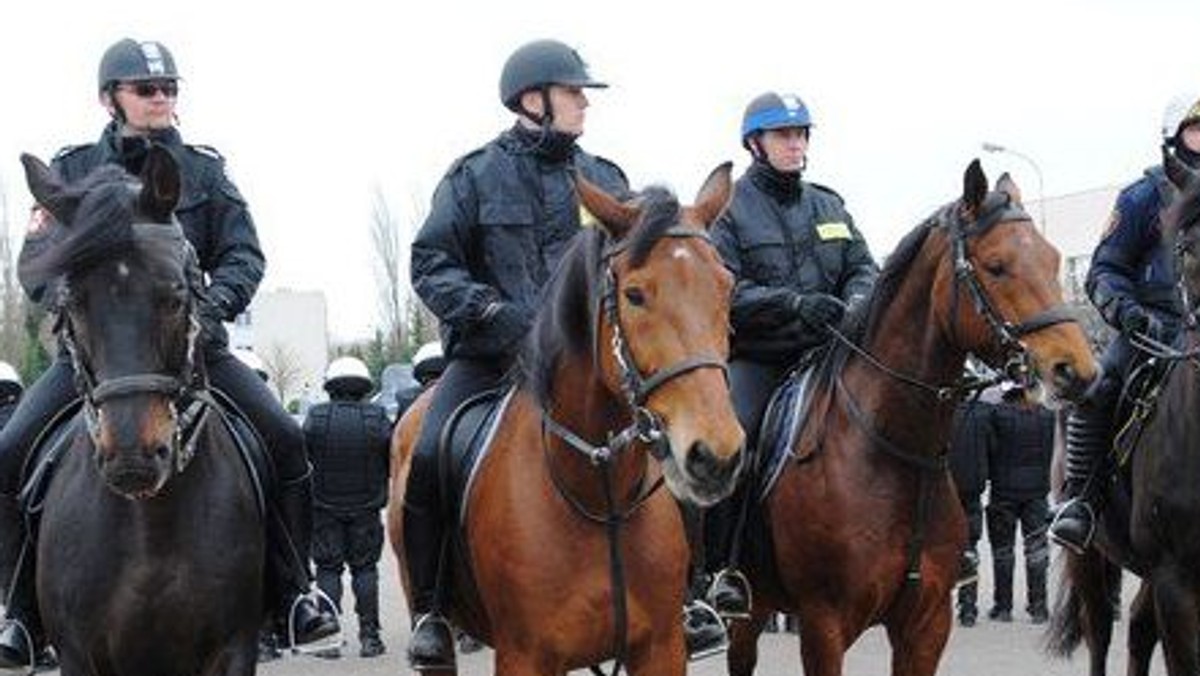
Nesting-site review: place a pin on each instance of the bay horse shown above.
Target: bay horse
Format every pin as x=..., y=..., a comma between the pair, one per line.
x=569, y=553
x=1149, y=523
x=151, y=553
x=862, y=525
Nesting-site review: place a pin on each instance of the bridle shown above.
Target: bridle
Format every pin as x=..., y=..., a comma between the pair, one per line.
x=636, y=386
x=186, y=390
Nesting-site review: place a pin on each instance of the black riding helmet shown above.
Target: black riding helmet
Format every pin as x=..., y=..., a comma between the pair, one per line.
x=539, y=64
x=132, y=61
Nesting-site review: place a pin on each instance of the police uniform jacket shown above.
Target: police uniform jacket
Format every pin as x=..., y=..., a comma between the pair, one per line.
x=973, y=437
x=213, y=214
x=501, y=219
x=780, y=241
x=1020, y=461
x=1130, y=266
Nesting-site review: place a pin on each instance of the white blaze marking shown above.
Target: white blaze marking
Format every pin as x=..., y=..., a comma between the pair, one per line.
x=680, y=252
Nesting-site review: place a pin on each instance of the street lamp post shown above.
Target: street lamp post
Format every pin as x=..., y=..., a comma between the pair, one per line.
x=997, y=148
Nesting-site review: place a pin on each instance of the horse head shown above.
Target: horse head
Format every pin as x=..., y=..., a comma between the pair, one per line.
x=661, y=337
x=122, y=275
x=1000, y=282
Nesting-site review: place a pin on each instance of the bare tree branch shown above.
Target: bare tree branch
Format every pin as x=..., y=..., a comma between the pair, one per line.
x=13, y=337
x=385, y=238
x=285, y=370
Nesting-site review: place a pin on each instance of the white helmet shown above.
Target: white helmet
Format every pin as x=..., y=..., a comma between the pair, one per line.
x=10, y=380
x=247, y=357
x=348, y=370
x=1181, y=111
x=431, y=350
x=428, y=363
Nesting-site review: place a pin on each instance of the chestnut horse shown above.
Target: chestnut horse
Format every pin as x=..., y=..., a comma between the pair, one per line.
x=152, y=549
x=569, y=555
x=1149, y=522
x=862, y=525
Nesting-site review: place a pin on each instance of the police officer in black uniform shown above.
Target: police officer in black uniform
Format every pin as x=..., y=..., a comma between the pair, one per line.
x=1132, y=283
x=427, y=366
x=1019, y=470
x=500, y=221
x=974, y=434
x=138, y=85
x=798, y=260
x=348, y=440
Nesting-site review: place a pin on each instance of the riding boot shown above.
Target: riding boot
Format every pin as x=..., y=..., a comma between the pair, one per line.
x=432, y=644
x=1074, y=521
x=704, y=633
x=22, y=640
x=302, y=619
x=1035, y=578
x=730, y=592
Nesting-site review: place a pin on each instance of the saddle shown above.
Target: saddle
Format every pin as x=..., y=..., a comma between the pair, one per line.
x=465, y=440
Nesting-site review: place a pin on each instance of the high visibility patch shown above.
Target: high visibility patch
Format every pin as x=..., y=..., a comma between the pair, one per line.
x=832, y=231
x=586, y=218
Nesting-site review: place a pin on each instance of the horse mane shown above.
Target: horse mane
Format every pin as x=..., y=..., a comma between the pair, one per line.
x=566, y=323
x=102, y=224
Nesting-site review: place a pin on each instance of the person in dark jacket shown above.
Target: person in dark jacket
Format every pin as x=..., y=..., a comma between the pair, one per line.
x=139, y=86
x=427, y=366
x=798, y=260
x=974, y=436
x=500, y=220
x=1132, y=283
x=349, y=441
x=1019, y=472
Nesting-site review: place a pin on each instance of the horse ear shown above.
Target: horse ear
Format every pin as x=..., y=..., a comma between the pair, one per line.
x=47, y=190
x=1180, y=174
x=1007, y=185
x=974, y=188
x=160, y=185
x=615, y=216
x=714, y=195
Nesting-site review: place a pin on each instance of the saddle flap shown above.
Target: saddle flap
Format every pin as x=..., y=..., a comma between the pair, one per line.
x=463, y=443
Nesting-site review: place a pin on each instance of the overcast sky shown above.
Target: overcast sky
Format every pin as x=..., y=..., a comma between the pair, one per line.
x=316, y=109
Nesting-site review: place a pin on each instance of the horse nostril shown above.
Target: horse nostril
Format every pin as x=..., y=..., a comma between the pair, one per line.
x=1067, y=380
x=704, y=464
x=162, y=453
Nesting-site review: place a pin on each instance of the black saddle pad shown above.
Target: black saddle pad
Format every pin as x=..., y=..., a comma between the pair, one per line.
x=464, y=443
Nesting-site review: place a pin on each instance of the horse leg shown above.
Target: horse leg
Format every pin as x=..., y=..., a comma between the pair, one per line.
x=743, y=641
x=1095, y=575
x=823, y=641
x=513, y=662
x=1175, y=610
x=1143, y=631
x=919, y=640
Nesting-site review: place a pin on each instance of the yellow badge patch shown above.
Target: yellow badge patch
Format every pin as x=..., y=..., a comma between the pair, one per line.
x=837, y=230
x=586, y=218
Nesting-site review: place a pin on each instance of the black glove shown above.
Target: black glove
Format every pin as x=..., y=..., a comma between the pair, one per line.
x=506, y=322
x=211, y=314
x=819, y=310
x=1138, y=320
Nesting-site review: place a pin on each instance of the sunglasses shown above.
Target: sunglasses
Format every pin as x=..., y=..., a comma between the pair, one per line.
x=150, y=88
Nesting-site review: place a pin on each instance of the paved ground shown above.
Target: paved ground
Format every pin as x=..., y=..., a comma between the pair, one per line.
x=988, y=649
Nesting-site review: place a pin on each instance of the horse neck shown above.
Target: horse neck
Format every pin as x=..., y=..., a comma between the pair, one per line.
x=908, y=339
x=581, y=402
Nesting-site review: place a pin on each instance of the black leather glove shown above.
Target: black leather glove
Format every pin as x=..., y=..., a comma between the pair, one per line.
x=506, y=322
x=819, y=310
x=1138, y=320
x=211, y=314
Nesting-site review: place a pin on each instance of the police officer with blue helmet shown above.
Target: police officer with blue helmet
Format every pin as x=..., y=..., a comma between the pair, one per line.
x=798, y=261
x=138, y=85
x=1131, y=282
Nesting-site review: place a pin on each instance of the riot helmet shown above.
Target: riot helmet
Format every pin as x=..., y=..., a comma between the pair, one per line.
x=10, y=381
x=347, y=376
x=428, y=362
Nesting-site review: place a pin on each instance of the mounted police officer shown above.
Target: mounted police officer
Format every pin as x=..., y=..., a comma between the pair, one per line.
x=501, y=219
x=1019, y=470
x=798, y=260
x=138, y=86
x=349, y=440
x=1131, y=282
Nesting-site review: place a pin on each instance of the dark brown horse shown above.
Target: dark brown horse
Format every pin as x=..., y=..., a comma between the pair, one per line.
x=1150, y=522
x=864, y=522
x=152, y=543
x=576, y=557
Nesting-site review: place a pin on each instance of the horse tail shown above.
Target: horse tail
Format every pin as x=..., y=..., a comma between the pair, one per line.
x=1065, y=631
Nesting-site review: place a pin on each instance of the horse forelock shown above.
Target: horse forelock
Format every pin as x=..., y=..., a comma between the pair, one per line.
x=565, y=321
x=660, y=211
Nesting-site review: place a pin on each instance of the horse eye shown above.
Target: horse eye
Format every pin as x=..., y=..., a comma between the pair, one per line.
x=995, y=268
x=635, y=296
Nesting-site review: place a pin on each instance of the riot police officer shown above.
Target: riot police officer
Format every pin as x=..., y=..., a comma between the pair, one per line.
x=1131, y=282
x=1019, y=470
x=427, y=366
x=348, y=440
x=11, y=388
x=798, y=260
x=974, y=435
x=138, y=85
x=501, y=219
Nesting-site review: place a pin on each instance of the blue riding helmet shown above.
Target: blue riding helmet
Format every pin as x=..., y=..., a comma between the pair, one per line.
x=773, y=111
